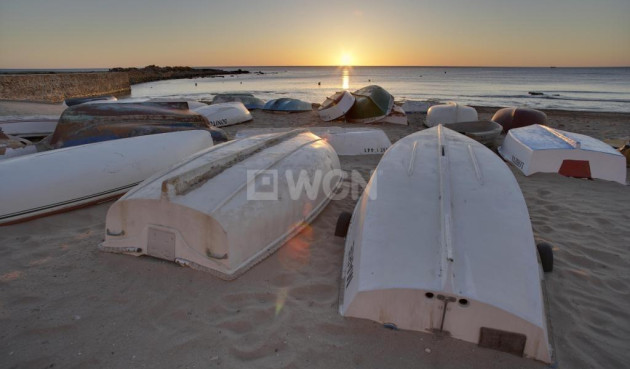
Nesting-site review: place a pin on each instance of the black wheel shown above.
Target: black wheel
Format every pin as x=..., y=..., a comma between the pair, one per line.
x=546, y=256
x=343, y=222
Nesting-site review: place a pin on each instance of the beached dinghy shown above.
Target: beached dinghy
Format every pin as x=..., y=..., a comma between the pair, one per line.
x=519, y=117
x=484, y=131
x=372, y=103
x=345, y=141
x=225, y=114
x=288, y=105
x=450, y=113
x=60, y=180
x=228, y=207
x=249, y=100
x=446, y=246
x=336, y=106
x=536, y=148
x=28, y=127
x=89, y=123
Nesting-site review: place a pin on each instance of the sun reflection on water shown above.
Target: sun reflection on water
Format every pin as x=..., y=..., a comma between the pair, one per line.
x=345, y=79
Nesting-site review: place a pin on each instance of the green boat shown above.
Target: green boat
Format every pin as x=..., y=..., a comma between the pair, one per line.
x=372, y=104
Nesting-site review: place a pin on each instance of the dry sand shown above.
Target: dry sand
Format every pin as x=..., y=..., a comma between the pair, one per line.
x=64, y=304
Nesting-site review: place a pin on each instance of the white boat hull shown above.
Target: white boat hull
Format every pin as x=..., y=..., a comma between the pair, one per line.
x=450, y=113
x=225, y=114
x=540, y=149
x=345, y=141
x=59, y=180
x=336, y=106
x=428, y=251
x=208, y=214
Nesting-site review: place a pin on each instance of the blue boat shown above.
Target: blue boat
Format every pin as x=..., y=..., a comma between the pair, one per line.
x=288, y=105
x=249, y=100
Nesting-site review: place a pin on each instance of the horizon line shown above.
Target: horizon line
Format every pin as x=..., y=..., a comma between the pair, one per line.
x=324, y=66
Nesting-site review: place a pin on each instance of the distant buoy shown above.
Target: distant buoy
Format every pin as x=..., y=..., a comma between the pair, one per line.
x=319, y=83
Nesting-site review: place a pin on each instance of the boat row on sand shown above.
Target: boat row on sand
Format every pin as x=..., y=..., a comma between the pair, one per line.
x=223, y=208
x=95, y=122
x=445, y=267
x=370, y=104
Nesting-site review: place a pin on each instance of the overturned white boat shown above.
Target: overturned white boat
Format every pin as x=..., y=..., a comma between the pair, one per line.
x=336, y=106
x=228, y=207
x=63, y=179
x=345, y=141
x=225, y=114
x=451, y=112
x=429, y=251
x=537, y=148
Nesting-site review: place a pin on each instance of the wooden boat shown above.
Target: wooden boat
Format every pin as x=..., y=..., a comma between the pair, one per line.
x=225, y=114
x=536, y=148
x=484, y=131
x=249, y=100
x=345, y=141
x=89, y=123
x=29, y=126
x=510, y=118
x=82, y=100
x=336, y=106
x=288, y=105
x=372, y=103
x=60, y=180
x=396, y=116
x=450, y=113
x=234, y=203
x=429, y=251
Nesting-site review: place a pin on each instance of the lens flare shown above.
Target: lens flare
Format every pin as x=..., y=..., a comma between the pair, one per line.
x=281, y=299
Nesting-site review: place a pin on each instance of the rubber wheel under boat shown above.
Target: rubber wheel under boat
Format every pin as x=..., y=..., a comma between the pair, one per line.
x=546, y=256
x=343, y=222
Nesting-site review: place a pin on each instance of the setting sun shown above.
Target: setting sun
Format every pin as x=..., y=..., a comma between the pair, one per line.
x=346, y=59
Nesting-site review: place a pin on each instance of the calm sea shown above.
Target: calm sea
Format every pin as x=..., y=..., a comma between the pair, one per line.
x=590, y=89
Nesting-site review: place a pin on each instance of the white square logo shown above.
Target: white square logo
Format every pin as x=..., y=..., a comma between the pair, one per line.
x=262, y=185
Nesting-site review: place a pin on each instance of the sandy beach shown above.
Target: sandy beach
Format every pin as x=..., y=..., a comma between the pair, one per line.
x=64, y=304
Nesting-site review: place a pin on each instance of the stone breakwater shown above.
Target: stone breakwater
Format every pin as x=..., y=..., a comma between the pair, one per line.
x=55, y=88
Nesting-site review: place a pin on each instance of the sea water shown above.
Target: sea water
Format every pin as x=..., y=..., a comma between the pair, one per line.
x=586, y=89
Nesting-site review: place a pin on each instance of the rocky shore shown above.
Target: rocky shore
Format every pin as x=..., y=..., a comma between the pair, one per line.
x=154, y=73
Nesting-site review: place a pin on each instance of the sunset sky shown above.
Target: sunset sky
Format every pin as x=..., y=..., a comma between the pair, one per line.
x=111, y=33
